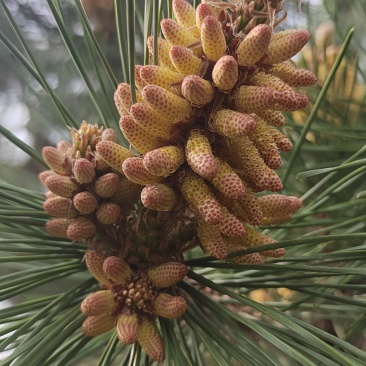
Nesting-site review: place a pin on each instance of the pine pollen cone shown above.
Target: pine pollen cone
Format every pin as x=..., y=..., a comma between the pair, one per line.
x=131, y=300
x=217, y=95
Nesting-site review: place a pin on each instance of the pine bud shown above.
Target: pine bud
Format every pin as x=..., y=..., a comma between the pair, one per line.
x=171, y=106
x=83, y=170
x=81, y=229
x=140, y=139
x=225, y=73
x=99, y=324
x=197, y=90
x=158, y=197
x=184, y=61
x=94, y=261
x=150, y=340
x=212, y=38
x=135, y=171
x=106, y=185
x=163, y=161
x=85, y=203
x=113, y=154
x=254, y=45
x=232, y=124
x=285, y=45
x=60, y=207
x=211, y=240
x=157, y=75
x=100, y=302
x=175, y=34
x=61, y=186
x=167, y=274
x=199, y=195
x=56, y=160
x=199, y=155
x=127, y=328
x=117, y=270
x=108, y=213
x=170, y=307
x=58, y=227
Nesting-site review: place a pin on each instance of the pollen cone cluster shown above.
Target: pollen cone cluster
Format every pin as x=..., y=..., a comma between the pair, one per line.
x=205, y=122
x=131, y=300
x=204, y=146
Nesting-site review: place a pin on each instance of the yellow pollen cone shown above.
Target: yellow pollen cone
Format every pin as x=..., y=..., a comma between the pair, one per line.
x=199, y=195
x=285, y=45
x=248, y=99
x=60, y=207
x=163, y=52
x=184, y=61
x=117, y=269
x=100, y=302
x=62, y=186
x=140, y=139
x=108, y=213
x=294, y=76
x=57, y=227
x=175, y=34
x=127, y=328
x=158, y=197
x=113, y=154
x=135, y=171
x=228, y=182
x=83, y=170
x=197, y=90
x=151, y=121
x=106, y=185
x=85, y=202
x=225, y=73
x=94, y=261
x=99, y=324
x=184, y=13
x=211, y=240
x=56, y=160
x=167, y=274
x=81, y=229
x=202, y=11
x=232, y=124
x=230, y=225
x=164, y=160
x=171, y=106
x=254, y=45
x=150, y=339
x=170, y=307
x=160, y=76
x=199, y=155
x=212, y=38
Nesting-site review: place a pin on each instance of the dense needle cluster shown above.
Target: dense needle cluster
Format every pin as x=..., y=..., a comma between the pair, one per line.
x=204, y=150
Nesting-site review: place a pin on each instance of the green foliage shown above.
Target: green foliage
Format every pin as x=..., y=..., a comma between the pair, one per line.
x=320, y=320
